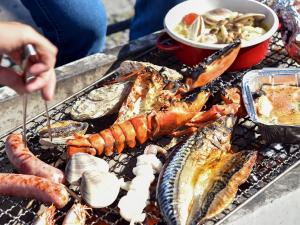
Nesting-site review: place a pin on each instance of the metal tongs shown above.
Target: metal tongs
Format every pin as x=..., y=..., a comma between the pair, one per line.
x=29, y=57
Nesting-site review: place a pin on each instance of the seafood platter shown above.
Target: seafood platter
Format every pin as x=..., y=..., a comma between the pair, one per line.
x=155, y=142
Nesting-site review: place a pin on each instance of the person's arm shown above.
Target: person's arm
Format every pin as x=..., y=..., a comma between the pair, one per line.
x=13, y=37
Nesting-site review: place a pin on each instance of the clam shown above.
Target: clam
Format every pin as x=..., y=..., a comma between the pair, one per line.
x=249, y=18
x=100, y=102
x=249, y=32
x=99, y=189
x=209, y=39
x=196, y=29
x=212, y=17
x=222, y=26
x=82, y=162
x=224, y=34
x=61, y=131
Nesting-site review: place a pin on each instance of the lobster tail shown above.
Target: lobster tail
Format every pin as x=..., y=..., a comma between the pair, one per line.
x=139, y=128
x=119, y=137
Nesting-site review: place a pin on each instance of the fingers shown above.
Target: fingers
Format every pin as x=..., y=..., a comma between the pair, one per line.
x=46, y=50
x=43, y=70
x=38, y=68
x=13, y=38
x=45, y=81
x=49, y=89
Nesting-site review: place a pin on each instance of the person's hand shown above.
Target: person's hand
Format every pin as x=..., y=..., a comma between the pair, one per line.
x=13, y=37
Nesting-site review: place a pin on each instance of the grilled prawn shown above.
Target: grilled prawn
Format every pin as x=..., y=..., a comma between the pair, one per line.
x=45, y=216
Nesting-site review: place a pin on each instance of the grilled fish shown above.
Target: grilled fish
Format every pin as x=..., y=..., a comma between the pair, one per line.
x=202, y=175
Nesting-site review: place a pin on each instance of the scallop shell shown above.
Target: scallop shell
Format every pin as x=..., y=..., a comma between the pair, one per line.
x=99, y=189
x=64, y=128
x=100, y=102
x=61, y=131
x=82, y=162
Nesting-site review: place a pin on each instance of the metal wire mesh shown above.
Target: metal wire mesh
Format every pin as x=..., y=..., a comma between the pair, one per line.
x=273, y=159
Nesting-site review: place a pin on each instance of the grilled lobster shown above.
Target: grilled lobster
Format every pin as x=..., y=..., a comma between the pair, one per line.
x=155, y=124
x=152, y=88
x=164, y=110
x=139, y=128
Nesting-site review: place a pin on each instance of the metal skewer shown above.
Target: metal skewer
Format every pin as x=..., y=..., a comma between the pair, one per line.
x=24, y=119
x=48, y=121
x=30, y=56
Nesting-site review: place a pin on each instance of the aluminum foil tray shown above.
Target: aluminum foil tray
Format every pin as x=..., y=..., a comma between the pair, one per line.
x=252, y=82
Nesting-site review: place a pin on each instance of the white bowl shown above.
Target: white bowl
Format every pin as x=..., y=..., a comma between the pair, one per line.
x=175, y=15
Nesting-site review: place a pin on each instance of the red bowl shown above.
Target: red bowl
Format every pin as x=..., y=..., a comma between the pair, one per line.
x=191, y=52
x=246, y=58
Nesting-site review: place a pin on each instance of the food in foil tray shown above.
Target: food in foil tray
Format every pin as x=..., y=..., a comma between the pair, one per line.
x=288, y=13
x=279, y=104
x=221, y=26
x=272, y=100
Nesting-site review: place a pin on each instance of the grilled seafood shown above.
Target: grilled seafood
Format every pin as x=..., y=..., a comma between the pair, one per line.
x=168, y=110
x=214, y=66
x=76, y=215
x=45, y=216
x=108, y=99
x=100, y=102
x=279, y=104
x=128, y=66
x=25, y=162
x=155, y=124
x=148, y=85
x=202, y=175
x=138, y=189
x=61, y=131
x=99, y=189
x=139, y=128
x=153, y=89
x=81, y=162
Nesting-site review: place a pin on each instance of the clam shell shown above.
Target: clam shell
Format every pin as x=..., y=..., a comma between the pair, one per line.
x=243, y=18
x=99, y=189
x=212, y=17
x=100, y=102
x=82, y=162
x=64, y=128
x=61, y=131
x=196, y=29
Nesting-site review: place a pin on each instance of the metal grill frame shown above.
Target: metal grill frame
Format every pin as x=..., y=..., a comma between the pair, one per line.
x=274, y=161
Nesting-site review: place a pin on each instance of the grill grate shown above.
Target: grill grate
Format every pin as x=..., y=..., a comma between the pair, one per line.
x=273, y=161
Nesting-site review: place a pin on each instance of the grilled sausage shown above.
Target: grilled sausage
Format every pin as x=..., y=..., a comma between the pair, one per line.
x=30, y=186
x=25, y=162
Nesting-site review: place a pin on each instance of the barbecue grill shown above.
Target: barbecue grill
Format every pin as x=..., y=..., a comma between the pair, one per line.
x=274, y=160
